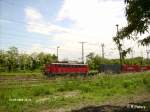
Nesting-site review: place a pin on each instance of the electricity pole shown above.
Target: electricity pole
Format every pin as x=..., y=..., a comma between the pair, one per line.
x=132, y=55
x=57, y=52
x=83, y=51
x=102, y=50
x=119, y=46
x=147, y=51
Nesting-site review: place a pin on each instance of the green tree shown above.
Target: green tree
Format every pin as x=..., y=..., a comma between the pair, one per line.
x=122, y=52
x=89, y=60
x=138, y=17
x=12, y=58
x=94, y=61
x=2, y=60
x=23, y=61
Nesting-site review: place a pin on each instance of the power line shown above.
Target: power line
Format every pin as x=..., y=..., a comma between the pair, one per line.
x=21, y=43
x=26, y=45
x=39, y=25
x=9, y=3
x=18, y=35
x=22, y=22
x=36, y=25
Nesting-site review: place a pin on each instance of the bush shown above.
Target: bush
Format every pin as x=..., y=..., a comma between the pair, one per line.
x=41, y=91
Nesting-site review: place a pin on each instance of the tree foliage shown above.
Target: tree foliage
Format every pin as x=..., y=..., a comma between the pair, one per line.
x=122, y=52
x=95, y=60
x=138, y=17
x=12, y=60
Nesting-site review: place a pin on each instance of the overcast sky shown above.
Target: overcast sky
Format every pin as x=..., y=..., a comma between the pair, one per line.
x=42, y=25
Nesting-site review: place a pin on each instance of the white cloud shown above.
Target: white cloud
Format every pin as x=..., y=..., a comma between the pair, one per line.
x=32, y=14
x=36, y=23
x=92, y=15
x=37, y=48
x=93, y=21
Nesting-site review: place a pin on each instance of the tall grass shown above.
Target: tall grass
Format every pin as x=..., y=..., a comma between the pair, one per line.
x=95, y=89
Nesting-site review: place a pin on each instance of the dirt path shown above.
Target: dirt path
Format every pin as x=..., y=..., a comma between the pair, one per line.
x=132, y=107
x=139, y=103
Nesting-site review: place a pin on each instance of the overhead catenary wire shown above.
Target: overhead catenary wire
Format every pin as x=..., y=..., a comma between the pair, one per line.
x=27, y=39
x=88, y=50
x=36, y=25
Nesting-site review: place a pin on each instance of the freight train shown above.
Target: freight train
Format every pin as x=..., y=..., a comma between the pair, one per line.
x=60, y=69
x=117, y=68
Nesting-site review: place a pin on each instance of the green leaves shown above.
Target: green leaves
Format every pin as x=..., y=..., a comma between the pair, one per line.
x=138, y=17
x=95, y=60
x=12, y=60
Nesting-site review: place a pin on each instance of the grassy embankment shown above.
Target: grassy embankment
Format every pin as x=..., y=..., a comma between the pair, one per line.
x=72, y=93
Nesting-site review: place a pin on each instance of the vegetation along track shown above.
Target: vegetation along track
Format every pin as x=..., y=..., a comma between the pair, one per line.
x=64, y=93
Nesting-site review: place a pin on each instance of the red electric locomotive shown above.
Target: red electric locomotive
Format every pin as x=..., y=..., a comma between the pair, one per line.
x=65, y=68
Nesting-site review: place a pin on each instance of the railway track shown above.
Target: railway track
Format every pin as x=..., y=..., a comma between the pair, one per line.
x=33, y=78
x=19, y=78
